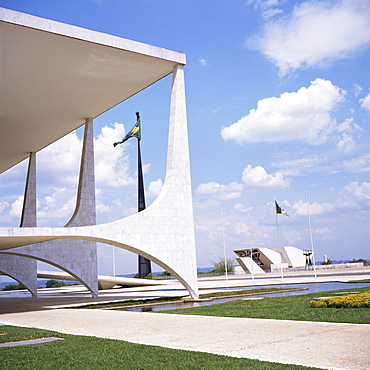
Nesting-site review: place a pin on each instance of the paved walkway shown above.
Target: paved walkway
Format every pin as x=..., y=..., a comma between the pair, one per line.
x=324, y=345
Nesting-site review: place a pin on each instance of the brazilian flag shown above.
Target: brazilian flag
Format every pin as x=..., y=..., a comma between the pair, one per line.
x=279, y=210
x=134, y=132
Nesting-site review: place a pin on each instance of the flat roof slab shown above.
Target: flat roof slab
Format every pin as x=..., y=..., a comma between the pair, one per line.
x=54, y=76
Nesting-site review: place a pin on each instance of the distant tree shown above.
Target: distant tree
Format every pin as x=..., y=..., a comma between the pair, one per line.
x=54, y=283
x=220, y=265
x=14, y=287
x=165, y=273
x=328, y=262
x=359, y=260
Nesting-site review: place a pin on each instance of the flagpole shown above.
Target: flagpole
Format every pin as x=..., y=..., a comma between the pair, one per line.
x=311, y=239
x=278, y=236
x=144, y=264
x=250, y=242
x=114, y=261
x=223, y=237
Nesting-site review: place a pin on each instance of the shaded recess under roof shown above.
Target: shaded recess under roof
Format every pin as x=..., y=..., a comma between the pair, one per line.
x=54, y=76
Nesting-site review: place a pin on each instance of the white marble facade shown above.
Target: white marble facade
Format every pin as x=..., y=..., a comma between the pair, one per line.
x=163, y=232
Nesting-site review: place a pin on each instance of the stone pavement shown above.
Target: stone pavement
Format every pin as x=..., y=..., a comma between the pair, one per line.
x=324, y=345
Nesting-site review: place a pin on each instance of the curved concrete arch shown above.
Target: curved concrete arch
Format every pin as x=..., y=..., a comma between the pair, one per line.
x=62, y=267
x=22, y=270
x=77, y=257
x=163, y=232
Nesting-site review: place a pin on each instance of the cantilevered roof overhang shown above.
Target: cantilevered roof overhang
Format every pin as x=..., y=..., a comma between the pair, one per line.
x=53, y=76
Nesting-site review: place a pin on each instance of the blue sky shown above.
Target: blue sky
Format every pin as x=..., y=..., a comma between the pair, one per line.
x=278, y=100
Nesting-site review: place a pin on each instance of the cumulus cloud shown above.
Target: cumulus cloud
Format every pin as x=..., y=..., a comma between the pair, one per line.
x=16, y=207
x=365, y=102
x=300, y=208
x=59, y=162
x=314, y=34
x=257, y=177
x=253, y=178
x=154, y=188
x=357, y=195
x=111, y=163
x=222, y=192
x=304, y=115
x=352, y=197
x=58, y=206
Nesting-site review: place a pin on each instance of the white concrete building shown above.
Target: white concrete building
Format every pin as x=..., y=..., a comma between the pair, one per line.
x=77, y=75
x=261, y=260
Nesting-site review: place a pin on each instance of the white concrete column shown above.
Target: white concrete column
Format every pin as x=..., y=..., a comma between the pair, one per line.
x=164, y=231
x=29, y=212
x=24, y=269
x=77, y=257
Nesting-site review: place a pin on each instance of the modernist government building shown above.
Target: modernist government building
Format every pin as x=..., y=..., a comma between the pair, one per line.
x=56, y=78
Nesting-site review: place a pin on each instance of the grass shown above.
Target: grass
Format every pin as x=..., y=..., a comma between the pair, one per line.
x=82, y=352
x=153, y=301
x=283, y=308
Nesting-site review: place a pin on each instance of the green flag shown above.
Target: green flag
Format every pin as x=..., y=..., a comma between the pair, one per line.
x=134, y=132
x=279, y=210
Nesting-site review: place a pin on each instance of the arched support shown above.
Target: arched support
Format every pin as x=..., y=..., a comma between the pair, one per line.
x=77, y=257
x=21, y=269
x=164, y=232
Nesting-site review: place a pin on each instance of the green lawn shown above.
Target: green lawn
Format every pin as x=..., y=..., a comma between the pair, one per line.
x=283, y=308
x=81, y=352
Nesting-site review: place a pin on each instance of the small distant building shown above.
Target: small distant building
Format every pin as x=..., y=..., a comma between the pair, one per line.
x=261, y=260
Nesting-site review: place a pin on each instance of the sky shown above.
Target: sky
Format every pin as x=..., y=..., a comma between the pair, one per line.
x=278, y=106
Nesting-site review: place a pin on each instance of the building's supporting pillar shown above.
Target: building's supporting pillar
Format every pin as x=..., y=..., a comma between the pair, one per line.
x=23, y=269
x=77, y=257
x=164, y=231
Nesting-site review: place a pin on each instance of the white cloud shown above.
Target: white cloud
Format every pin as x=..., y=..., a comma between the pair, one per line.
x=300, y=208
x=203, y=62
x=222, y=192
x=315, y=34
x=295, y=167
x=16, y=207
x=101, y=208
x=257, y=177
x=359, y=164
x=111, y=164
x=303, y=115
x=365, y=102
x=356, y=196
x=154, y=188
x=357, y=89
x=346, y=144
x=353, y=197
x=58, y=206
x=59, y=162
x=3, y=205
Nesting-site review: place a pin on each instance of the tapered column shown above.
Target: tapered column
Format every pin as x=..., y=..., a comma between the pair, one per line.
x=29, y=214
x=24, y=269
x=77, y=257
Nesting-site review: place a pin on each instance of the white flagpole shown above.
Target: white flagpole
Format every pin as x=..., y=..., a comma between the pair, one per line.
x=311, y=239
x=250, y=243
x=278, y=236
x=114, y=262
x=223, y=237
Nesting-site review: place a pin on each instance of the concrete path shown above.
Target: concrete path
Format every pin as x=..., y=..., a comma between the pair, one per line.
x=325, y=345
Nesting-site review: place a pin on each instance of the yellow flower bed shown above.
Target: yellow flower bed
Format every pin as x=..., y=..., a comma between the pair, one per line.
x=358, y=300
